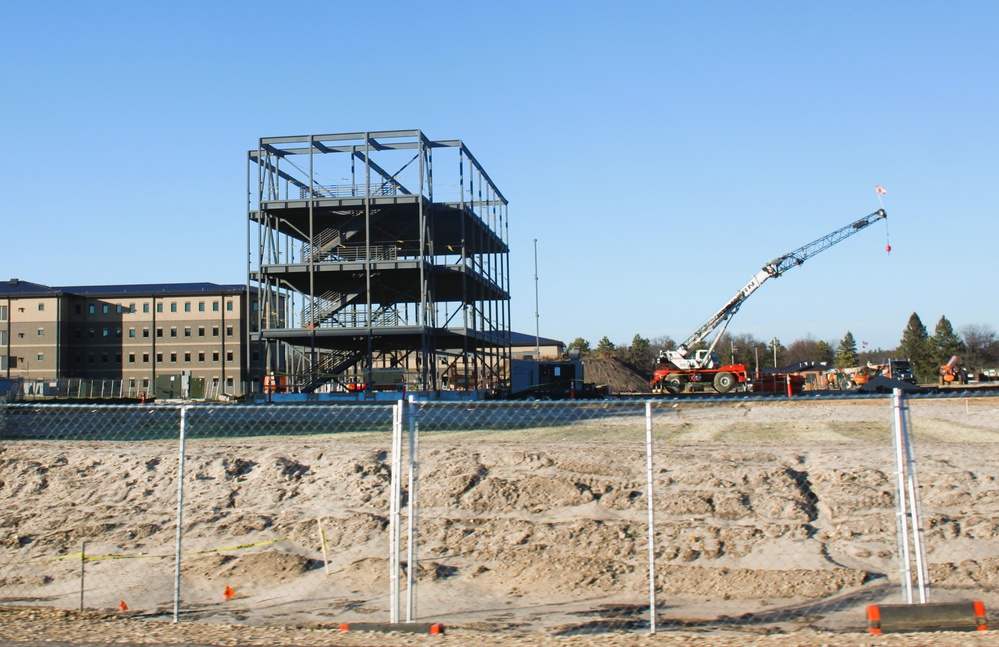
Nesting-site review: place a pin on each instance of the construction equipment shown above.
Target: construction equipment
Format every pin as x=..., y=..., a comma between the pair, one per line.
x=953, y=373
x=676, y=370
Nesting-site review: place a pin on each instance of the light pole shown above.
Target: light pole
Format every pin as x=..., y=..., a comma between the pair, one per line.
x=537, y=315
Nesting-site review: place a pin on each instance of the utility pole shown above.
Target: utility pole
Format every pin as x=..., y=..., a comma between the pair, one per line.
x=537, y=315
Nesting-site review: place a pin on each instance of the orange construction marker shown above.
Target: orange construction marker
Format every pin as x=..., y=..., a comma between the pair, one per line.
x=228, y=594
x=122, y=606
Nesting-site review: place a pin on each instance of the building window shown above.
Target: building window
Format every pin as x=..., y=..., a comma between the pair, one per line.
x=104, y=358
x=173, y=332
x=41, y=306
x=201, y=331
x=90, y=358
x=201, y=357
x=118, y=309
x=256, y=306
x=228, y=306
x=145, y=383
x=78, y=309
x=77, y=358
x=117, y=358
x=187, y=357
x=228, y=382
x=159, y=307
x=90, y=333
x=104, y=308
x=173, y=357
x=92, y=308
x=131, y=333
x=159, y=332
x=131, y=308
x=145, y=358
x=41, y=357
x=131, y=358
x=117, y=333
x=145, y=332
x=145, y=307
x=131, y=383
x=159, y=358
x=228, y=356
x=41, y=332
x=78, y=333
x=3, y=362
x=215, y=356
x=105, y=332
x=3, y=337
x=215, y=306
x=215, y=331
x=173, y=307
x=201, y=306
x=187, y=306
x=228, y=331
x=3, y=313
x=187, y=331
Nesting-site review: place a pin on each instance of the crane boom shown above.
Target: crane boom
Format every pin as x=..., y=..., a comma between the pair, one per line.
x=773, y=269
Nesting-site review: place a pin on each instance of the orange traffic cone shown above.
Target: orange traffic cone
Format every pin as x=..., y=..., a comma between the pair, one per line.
x=228, y=594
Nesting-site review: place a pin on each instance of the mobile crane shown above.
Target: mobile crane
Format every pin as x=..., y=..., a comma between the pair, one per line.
x=676, y=370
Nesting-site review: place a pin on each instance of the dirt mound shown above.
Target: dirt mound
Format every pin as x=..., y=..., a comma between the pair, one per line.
x=616, y=375
x=757, y=507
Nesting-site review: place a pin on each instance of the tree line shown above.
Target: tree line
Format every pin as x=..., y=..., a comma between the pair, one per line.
x=975, y=345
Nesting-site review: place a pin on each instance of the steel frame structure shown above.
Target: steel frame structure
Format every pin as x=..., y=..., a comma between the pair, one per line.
x=364, y=266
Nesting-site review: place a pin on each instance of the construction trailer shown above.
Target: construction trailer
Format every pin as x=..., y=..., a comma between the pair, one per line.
x=377, y=250
x=560, y=379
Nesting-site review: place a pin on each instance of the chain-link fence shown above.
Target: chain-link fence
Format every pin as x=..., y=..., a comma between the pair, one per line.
x=518, y=517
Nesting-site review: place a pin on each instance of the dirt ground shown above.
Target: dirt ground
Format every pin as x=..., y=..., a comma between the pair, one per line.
x=774, y=523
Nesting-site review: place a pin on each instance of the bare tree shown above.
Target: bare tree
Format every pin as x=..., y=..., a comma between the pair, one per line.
x=981, y=346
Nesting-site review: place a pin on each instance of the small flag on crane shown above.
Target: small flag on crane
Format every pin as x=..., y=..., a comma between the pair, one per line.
x=880, y=190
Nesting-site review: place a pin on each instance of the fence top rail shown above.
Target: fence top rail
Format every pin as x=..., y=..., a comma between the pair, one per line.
x=198, y=406
x=613, y=401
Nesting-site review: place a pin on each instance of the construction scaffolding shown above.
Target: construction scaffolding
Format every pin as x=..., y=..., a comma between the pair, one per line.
x=372, y=278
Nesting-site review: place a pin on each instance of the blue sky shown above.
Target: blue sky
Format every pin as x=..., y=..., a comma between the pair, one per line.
x=659, y=152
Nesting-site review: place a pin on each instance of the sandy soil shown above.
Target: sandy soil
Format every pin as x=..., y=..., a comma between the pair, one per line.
x=770, y=517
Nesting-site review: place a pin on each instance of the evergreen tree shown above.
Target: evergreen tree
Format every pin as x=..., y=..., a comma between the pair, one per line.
x=605, y=347
x=917, y=348
x=581, y=344
x=846, y=352
x=640, y=354
x=946, y=343
x=824, y=352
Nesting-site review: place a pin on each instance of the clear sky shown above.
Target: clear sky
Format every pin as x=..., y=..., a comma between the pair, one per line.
x=659, y=152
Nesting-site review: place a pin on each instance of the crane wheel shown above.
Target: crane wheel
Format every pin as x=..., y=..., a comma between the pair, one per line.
x=725, y=382
x=674, y=383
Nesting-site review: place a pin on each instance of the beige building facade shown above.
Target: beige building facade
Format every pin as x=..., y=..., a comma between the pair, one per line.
x=143, y=335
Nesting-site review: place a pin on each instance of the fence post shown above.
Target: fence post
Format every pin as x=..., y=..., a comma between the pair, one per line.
x=394, y=505
x=180, y=514
x=411, y=555
x=652, y=520
x=907, y=506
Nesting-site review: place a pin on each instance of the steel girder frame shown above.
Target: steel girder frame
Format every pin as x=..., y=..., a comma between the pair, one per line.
x=374, y=214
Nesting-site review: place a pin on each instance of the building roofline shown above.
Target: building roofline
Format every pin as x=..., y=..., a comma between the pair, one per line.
x=17, y=288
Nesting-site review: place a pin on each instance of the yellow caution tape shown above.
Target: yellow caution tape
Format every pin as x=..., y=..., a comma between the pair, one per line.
x=97, y=558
